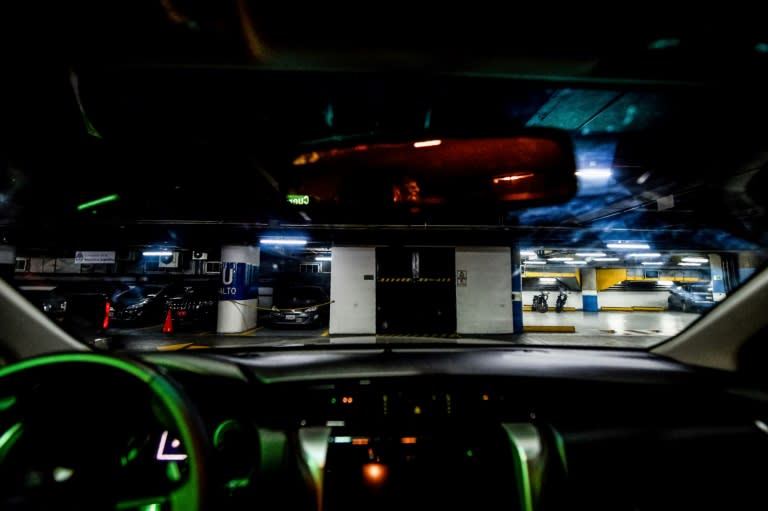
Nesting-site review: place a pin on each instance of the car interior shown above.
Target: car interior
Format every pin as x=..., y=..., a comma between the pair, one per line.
x=454, y=140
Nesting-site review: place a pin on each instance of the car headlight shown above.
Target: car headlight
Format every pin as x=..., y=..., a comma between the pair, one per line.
x=311, y=309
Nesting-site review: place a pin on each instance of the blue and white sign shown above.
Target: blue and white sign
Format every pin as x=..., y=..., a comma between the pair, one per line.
x=238, y=281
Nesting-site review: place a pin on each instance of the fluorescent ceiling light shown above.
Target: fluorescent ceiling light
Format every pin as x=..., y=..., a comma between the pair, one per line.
x=561, y=258
x=548, y=280
x=323, y=258
x=606, y=259
x=590, y=254
x=427, y=143
x=695, y=260
x=528, y=253
x=157, y=253
x=635, y=246
x=594, y=173
x=689, y=264
x=536, y=261
x=652, y=263
x=283, y=241
x=644, y=254
x=664, y=282
x=576, y=262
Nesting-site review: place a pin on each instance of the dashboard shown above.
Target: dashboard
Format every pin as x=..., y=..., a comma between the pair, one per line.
x=382, y=429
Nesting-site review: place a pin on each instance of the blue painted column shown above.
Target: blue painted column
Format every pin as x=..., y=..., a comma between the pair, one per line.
x=589, y=290
x=238, y=289
x=748, y=262
x=716, y=271
x=517, y=291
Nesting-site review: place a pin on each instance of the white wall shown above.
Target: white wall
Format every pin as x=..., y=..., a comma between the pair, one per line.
x=607, y=299
x=484, y=305
x=353, y=307
x=632, y=298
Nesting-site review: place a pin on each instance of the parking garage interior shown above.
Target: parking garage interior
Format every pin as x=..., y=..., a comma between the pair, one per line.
x=624, y=289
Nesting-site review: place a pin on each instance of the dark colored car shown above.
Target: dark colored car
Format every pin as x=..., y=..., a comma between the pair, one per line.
x=81, y=299
x=79, y=307
x=691, y=297
x=140, y=305
x=194, y=305
x=300, y=306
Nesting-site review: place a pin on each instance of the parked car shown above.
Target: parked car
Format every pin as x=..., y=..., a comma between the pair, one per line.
x=193, y=305
x=79, y=307
x=691, y=297
x=140, y=305
x=300, y=306
x=198, y=118
x=85, y=300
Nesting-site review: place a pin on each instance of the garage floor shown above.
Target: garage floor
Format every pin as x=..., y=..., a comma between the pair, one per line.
x=597, y=329
x=607, y=328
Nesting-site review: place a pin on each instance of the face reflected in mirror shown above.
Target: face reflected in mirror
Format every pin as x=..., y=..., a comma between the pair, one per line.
x=406, y=191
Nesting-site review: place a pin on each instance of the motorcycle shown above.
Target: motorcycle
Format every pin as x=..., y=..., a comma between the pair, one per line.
x=540, y=301
x=562, y=297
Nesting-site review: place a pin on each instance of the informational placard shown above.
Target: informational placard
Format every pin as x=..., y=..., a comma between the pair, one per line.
x=94, y=257
x=461, y=278
x=239, y=281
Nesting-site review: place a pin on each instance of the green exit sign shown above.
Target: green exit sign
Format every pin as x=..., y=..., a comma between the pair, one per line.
x=298, y=200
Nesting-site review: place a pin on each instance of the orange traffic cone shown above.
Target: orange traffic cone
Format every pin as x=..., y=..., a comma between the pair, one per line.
x=168, y=325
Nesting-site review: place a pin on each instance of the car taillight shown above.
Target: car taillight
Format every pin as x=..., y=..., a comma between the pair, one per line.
x=105, y=323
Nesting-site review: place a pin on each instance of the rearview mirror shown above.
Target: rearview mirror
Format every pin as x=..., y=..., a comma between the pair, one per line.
x=533, y=167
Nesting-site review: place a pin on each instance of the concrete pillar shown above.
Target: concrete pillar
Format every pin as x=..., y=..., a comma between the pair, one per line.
x=7, y=262
x=589, y=290
x=748, y=262
x=353, y=291
x=239, y=292
x=718, y=283
x=517, y=291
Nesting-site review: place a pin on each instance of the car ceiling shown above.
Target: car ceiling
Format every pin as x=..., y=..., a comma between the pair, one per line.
x=121, y=100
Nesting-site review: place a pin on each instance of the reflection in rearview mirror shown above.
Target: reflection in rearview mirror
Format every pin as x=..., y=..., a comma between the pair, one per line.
x=533, y=167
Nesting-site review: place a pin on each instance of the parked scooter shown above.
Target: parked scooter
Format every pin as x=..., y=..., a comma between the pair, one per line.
x=540, y=301
x=562, y=297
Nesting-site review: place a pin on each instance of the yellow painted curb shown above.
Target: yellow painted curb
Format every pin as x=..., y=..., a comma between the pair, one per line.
x=567, y=329
x=174, y=347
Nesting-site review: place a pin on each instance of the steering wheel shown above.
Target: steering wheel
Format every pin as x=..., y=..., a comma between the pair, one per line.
x=98, y=431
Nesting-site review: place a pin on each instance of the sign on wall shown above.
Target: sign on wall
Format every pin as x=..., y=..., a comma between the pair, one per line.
x=239, y=281
x=94, y=257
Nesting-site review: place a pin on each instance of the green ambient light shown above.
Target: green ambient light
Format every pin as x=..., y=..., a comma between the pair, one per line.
x=298, y=200
x=103, y=200
x=9, y=438
x=7, y=402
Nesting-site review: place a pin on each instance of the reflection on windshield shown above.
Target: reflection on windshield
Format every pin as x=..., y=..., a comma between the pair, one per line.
x=136, y=295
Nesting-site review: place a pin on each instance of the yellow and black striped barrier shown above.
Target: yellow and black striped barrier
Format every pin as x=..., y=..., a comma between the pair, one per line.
x=529, y=308
x=419, y=280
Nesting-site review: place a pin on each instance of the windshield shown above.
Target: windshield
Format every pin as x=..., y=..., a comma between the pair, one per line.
x=298, y=192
